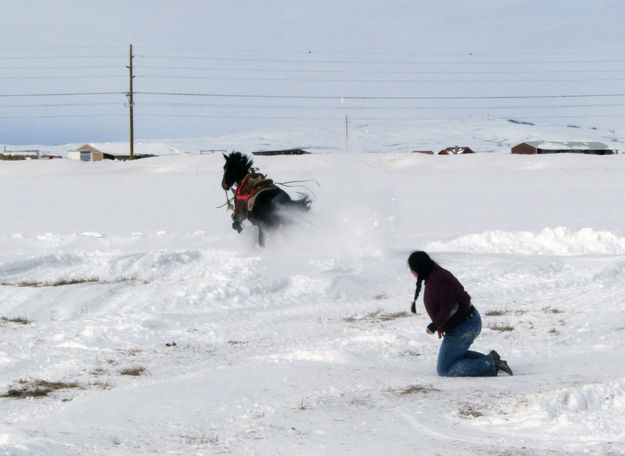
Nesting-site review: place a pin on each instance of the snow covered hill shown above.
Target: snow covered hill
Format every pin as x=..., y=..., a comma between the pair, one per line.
x=481, y=135
x=133, y=320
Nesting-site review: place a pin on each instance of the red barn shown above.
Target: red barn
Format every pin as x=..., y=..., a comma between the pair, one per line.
x=559, y=147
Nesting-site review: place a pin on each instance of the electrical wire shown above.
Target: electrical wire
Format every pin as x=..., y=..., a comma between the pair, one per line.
x=333, y=119
x=61, y=94
x=379, y=108
x=379, y=62
x=63, y=57
x=58, y=105
x=59, y=67
x=21, y=78
x=366, y=97
x=63, y=116
x=366, y=53
x=364, y=71
x=414, y=81
x=337, y=64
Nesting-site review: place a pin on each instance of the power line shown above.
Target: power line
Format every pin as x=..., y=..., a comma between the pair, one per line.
x=375, y=108
x=366, y=97
x=206, y=116
x=381, y=62
x=61, y=94
x=61, y=57
x=312, y=51
x=63, y=77
x=59, y=105
x=64, y=116
x=330, y=108
x=441, y=81
x=59, y=67
x=361, y=71
x=410, y=119
x=312, y=60
x=334, y=119
x=57, y=48
x=356, y=52
x=321, y=97
x=299, y=70
x=459, y=70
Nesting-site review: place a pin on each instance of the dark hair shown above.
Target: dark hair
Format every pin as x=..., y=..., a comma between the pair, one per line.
x=421, y=263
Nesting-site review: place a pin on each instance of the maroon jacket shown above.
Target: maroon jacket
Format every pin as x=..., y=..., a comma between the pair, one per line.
x=445, y=300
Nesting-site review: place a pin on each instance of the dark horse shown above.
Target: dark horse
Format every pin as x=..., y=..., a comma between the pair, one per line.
x=257, y=198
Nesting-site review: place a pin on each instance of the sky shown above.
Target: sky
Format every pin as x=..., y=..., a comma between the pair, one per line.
x=206, y=68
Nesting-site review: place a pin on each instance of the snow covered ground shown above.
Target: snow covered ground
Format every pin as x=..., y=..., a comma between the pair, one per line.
x=159, y=330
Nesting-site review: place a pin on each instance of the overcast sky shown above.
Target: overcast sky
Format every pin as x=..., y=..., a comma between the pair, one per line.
x=210, y=68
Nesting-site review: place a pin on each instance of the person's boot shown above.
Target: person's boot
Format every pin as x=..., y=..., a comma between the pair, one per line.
x=500, y=364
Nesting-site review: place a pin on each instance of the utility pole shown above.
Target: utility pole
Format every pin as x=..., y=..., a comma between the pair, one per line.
x=131, y=105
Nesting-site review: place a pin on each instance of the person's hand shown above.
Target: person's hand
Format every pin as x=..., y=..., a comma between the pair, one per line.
x=440, y=334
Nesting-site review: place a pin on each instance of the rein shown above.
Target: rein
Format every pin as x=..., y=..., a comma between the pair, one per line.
x=236, y=196
x=228, y=204
x=288, y=184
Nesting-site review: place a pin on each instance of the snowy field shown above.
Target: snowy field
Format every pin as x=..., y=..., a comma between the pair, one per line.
x=134, y=320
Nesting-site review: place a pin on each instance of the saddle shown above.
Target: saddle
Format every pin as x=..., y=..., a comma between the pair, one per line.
x=246, y=193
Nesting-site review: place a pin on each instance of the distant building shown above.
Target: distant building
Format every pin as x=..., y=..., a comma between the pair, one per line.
x=281, y=152
x=559, y=147
x=456, y=150
x=86, y=152
x=119, y=151
x=19, y=154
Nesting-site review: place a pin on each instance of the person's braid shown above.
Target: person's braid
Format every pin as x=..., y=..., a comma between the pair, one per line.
x=416, y=295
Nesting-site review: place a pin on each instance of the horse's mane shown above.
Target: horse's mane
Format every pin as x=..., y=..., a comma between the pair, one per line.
x=240, y=161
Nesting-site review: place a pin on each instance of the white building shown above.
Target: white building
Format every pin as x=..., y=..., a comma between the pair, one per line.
x=119, y=151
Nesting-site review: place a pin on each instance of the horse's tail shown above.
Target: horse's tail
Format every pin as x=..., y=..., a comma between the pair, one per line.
x=303, y=203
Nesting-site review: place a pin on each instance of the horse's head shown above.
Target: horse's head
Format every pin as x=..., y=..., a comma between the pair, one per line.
x=237, y=166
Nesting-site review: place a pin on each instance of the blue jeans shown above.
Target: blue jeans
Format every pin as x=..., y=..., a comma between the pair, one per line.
x=456, y=360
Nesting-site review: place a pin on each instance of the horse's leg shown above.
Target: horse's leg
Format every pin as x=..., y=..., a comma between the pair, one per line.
x=261, y=236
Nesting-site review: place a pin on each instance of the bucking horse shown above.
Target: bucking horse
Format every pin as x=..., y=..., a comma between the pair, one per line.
x=257, y=198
